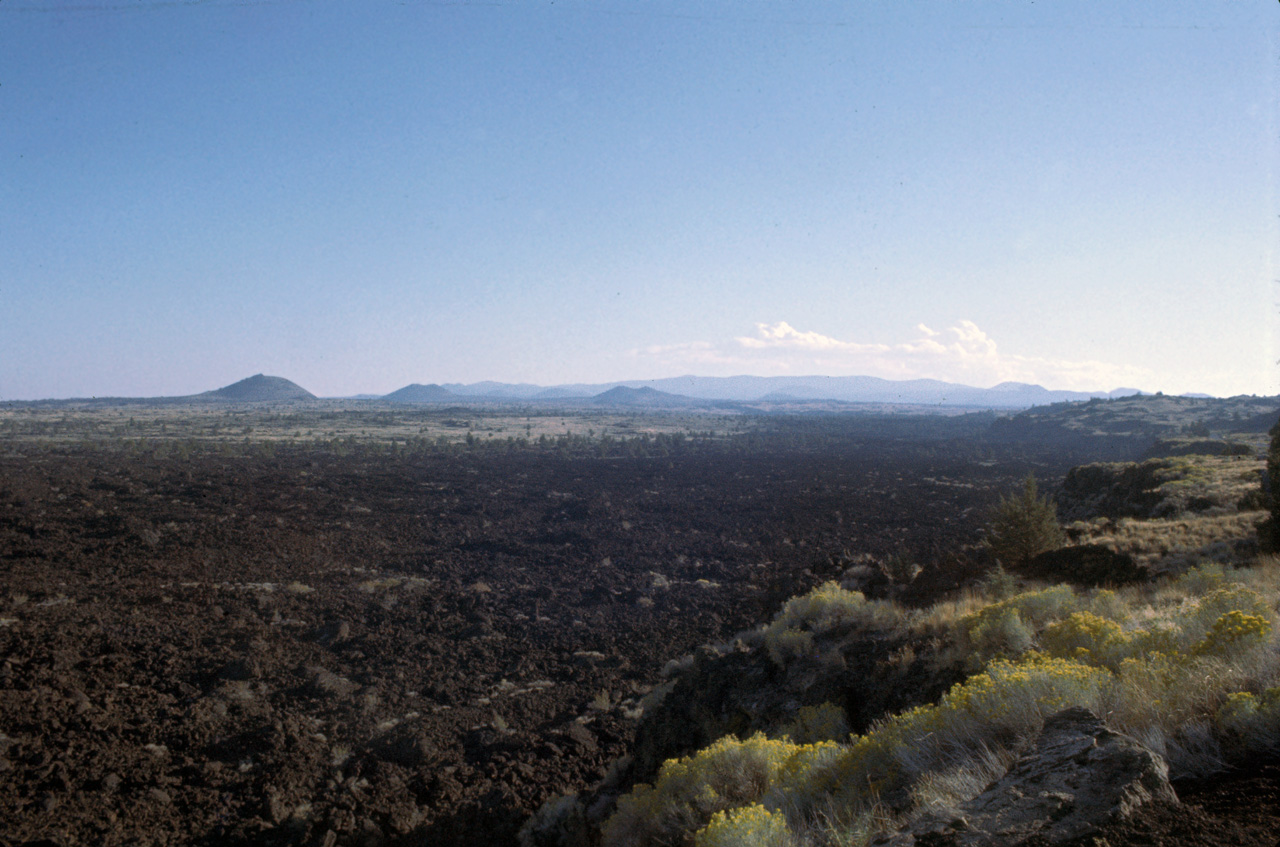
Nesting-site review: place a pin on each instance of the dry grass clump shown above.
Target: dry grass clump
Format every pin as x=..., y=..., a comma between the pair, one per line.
x=378, y=585
x=950, y=787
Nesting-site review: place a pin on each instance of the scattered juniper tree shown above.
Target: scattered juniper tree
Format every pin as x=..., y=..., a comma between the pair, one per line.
x=1024, y=525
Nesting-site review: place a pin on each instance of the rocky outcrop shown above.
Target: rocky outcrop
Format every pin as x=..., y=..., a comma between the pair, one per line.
x=1079, y=776
x=1168, y=487
x=1111, y=490
x=1085, y=564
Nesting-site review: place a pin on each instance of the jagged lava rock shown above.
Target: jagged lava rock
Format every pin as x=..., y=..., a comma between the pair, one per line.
x=1079, y=776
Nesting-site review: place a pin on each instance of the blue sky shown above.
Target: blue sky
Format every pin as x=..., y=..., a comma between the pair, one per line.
x=360, y=194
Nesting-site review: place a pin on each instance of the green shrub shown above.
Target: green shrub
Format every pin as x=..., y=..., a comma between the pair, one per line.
x=1202, y=579
x=827, y=608
x=1008, y=628
x=785, y=645
x=998, y=633
x=1038, y=608
x=825, y=722
x=998, y=583
x=822, y=609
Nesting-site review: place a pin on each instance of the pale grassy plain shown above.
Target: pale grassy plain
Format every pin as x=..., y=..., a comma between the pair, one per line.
x=343, y=420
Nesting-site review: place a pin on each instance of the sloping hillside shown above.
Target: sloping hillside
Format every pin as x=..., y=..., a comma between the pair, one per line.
x=1133, y=427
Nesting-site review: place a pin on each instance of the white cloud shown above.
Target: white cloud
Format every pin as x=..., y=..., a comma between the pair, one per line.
x=782, y=334
x=962, y=353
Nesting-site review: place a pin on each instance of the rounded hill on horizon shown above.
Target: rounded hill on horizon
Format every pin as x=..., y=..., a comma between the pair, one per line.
x=648, y=397
x=418, y=393
x=260, y=389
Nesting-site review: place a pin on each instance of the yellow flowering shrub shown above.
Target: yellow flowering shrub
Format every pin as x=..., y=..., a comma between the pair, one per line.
x=821, y=609
x=1238, y=711
x=797, y=771
x=1086, y=638
x=688, y=791
x=1160, y=638
x=749, y=826
x=1233, y=633
x=1044, y=683
x=1197, y=619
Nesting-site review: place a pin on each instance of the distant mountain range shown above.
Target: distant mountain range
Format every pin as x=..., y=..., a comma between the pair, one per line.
x=674, y=392
x=693, y=390
x=677, y=392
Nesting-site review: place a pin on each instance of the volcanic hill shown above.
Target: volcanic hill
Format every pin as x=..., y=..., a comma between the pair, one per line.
x=260, y=389
x=418, y=393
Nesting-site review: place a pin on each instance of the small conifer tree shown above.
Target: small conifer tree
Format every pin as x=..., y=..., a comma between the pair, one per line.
x=1024, y=525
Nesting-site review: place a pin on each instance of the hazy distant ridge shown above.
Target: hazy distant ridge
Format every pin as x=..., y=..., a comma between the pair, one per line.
x=672, y=392
x=849, y=389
